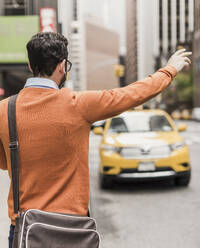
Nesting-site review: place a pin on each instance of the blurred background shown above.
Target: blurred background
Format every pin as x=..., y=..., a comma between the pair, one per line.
x=113, y=43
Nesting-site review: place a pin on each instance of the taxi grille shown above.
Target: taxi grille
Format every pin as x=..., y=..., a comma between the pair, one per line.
x=141, y=153
x=136, y=170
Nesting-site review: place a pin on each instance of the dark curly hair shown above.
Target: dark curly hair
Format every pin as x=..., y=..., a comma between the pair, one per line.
x=45, y=52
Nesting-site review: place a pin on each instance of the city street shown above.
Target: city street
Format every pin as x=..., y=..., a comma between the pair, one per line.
x=138, y=215
x=74, y=63
x=150, y=215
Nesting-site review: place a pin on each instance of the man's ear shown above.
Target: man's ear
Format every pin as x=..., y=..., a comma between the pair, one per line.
x=62, y=67
x=29, y=66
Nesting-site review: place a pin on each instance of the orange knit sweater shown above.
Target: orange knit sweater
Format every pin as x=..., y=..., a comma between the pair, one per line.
x=53, y=131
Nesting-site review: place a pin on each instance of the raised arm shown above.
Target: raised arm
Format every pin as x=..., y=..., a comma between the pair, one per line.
x=98, y=105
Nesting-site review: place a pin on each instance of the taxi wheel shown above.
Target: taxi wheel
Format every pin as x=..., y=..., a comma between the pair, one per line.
x=183, y=181
x=105, y=182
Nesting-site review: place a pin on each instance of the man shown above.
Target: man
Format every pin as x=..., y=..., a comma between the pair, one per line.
x=53, y=126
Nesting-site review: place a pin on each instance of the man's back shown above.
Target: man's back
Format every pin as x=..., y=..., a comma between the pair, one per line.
x=53, y=132
x=53, y=126
x=53, y=144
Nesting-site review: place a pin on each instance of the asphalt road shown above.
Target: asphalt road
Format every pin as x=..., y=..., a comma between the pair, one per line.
x=150, y=215
x=153, y=215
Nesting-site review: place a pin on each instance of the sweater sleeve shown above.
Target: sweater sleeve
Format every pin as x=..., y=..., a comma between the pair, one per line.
x=99, y=105
x=3, y=162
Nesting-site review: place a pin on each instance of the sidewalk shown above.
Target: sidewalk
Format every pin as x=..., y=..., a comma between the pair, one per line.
x=4, y=220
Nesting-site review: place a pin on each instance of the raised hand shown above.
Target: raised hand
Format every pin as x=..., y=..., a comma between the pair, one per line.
x=180, y=59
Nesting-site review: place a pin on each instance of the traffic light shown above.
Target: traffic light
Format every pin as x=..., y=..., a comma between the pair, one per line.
x=119, y=70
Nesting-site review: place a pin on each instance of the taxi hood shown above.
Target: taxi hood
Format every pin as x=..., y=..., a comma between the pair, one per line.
x=148, y=138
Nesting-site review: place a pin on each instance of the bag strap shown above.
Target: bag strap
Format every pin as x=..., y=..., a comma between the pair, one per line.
x=14, y=151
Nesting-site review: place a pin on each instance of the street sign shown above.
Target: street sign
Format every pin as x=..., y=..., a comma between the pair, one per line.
x=48, y=20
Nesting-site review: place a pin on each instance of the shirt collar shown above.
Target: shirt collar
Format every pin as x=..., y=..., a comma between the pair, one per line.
x=40, y=83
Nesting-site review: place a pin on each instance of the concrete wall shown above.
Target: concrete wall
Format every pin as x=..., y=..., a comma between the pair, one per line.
x=111, y=13
x=102, y=46
x=131, y=42
x=196, y=55
x=65, y=13
x=148, y=36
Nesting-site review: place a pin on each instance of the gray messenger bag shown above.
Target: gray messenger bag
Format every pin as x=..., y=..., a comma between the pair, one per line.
x=40, y=229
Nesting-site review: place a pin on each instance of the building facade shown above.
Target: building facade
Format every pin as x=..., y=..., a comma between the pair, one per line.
x=92, y=55
x=26, y=7
x=20, y=19
x=163, y=25
x=87, y=49
x=131, y=42
x=196, y=54
x=101, y=56
x=176, y=25
x=147, y=36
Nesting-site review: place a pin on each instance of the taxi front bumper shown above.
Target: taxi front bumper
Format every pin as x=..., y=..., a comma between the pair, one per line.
x=147, y=176
x=177, y=164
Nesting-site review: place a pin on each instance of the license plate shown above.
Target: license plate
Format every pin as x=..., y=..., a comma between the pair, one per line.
x=146, y=166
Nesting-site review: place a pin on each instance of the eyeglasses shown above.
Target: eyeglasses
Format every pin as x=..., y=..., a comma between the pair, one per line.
x=68, y=65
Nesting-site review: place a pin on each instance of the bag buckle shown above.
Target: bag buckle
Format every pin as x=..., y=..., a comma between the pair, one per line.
x=13, y=145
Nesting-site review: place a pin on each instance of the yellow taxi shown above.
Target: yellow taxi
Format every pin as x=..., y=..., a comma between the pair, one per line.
x=143, y=145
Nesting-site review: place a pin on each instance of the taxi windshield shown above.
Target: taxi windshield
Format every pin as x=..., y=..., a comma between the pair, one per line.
x=140, y=122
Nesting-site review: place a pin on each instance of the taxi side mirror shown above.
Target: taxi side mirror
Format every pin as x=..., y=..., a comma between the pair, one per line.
x=182, y=127
x=98, y=130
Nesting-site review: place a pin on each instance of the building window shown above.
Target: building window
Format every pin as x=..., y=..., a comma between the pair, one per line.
x=75, y=10
x=15, y=7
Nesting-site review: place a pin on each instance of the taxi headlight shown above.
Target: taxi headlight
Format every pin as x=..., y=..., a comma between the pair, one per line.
x=110, y=148
x=177, y=146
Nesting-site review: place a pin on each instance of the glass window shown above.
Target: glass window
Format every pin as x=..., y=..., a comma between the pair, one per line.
x=140, y=122
x=15, y=7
